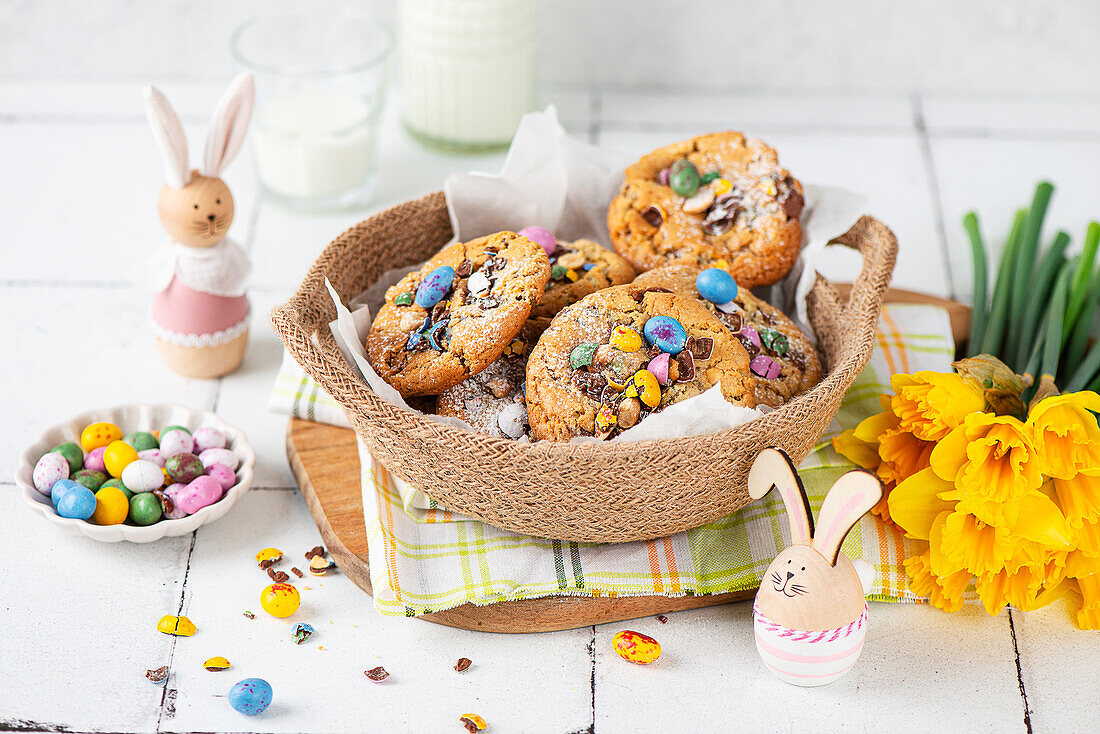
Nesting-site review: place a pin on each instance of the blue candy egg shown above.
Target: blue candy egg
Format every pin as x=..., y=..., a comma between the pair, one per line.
x=250, y=696
x=435, y=286
x=666, y=333
x=77, y=502
x=60, y=487
x=716, y=285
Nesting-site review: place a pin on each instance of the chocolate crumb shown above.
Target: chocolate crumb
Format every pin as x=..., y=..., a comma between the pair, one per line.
x=652, y=216
x=463, y=665
x=662, y=619
x=277, y=576
x=159, y=675
x=376, y=675
x=316, y=550
x=250, y=615
x=297, y=573
x=464, y=268
x=267, y=563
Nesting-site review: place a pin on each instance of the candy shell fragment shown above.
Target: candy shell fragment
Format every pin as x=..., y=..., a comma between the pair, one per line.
x=581, y=356
x=319, y=565
x=216, y=663
x=302, y=632
x=634, y=647
x=463, y=665
x=625, y=339
x=178, y=626
x=158, y=676
x=268, y=556
x=473, y=722
x=376, y=675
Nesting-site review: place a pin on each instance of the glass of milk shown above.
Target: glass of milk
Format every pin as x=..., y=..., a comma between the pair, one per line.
x=320, y=89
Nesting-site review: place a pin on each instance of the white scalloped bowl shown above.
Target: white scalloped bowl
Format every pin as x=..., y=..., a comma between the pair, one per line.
x=136, y=418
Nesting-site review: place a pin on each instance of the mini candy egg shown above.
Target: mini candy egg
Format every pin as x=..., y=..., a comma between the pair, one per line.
x=59, y=488
x=50, y=469
x=269, y=555
x=434, y=287
x=683, y=177
x=223, y=475
x=542, y=236
x=117, y=456
x=659, y=367
x=94, y=460
x=581, y=356
x=184, y=467
x=280, y=600
x=175, y=442
x=78, y=502
x=141, y=440
x=634, y=647
x=716, y=285
x=142, y=476
x=153, y=455
x=665, y=333
x=208, y=437
x=117, y=484
x=112, y=506
x=225, y=457
x=625, y=339
x=644, y=386
x=93, y=480
x=169, y=501
x=198, y=493
x=250, y=696
x=99, y=434
x=145, y=508
x=178, y=626
x=73, y=455
x=216, y=664
x=512, y=420
x=173, y=427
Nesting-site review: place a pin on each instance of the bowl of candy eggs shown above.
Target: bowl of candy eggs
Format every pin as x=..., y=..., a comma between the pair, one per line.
x=136, y=472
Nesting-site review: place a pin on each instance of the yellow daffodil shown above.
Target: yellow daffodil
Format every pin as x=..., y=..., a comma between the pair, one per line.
x=930, y=404
x=915, y=503
x=1088, y=538
x=969, y=543
x=1079, y=497
x=863, y=454
x=1088, y=617
x=1079, y=565
x=988, y=456
x=943, y=593
x=903, y=455
x=1065, y=434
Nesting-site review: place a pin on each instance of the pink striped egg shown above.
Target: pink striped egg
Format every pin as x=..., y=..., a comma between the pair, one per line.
x=808, y=658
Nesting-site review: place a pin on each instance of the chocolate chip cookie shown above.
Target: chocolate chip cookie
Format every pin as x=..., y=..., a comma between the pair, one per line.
x=455, y=315
x=492, y=401
x=577, y=269
x=783, y=359
x=624, y=353
x=719, y=199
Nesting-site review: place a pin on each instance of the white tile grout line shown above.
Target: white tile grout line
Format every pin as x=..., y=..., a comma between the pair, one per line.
x=592, y=682
x=168, y=698
x=934, y=185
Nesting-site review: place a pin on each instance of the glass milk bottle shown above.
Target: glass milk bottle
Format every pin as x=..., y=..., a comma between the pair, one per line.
x=467, y=70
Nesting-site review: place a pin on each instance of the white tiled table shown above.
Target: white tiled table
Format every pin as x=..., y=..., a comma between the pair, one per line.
x=77, y=617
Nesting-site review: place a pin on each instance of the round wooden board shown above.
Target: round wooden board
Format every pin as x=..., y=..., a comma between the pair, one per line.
x=325, y=461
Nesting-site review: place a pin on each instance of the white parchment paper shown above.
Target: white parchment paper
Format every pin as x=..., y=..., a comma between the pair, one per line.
x=554, y=181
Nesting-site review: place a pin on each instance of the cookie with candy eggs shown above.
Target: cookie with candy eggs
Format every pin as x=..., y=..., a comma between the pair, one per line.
x=576, y=269
x=456, y=314
x=492, y=401
x=783, y=359
x=624, y=353
x=715, y=197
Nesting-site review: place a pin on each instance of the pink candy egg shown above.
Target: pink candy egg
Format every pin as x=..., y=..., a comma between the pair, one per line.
x=225, y=476
x=225, y=457
x=202, y=491
x=172, y=493
x=49, y=469
x=154, y=456
x=542, y=236
x=207, y=438
x=176, y=442
x=659, y=367
x=142, y=476
x=94, y=461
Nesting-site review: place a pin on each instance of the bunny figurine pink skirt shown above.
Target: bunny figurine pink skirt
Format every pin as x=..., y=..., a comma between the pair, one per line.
x=200, y=334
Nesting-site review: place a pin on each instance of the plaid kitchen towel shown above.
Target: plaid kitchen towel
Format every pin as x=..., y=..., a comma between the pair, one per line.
x=425, y=558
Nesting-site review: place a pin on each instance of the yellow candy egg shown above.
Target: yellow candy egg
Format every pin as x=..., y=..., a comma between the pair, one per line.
x=99, y=434
x=178, y=626
x=644, y=386
x=111, y=506
x=117, y=456
x=635, y=647
x=571, y=275
x=625, y=339
x=280, y=600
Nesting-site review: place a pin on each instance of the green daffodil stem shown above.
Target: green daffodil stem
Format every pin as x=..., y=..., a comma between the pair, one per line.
x=1082, y=277
x=1056, y=316
x=1079, y=336
x=1030, y=329
x=980, y=309
x=994, y=334
x=1088, y=369
x=1024, y=269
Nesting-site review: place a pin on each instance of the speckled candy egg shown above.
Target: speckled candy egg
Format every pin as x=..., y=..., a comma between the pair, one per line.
x=145, y=508
x=50, y=469
x=225, y=457
x=59, y=488
x=142, y=476
x=198, y=493
x=73, y=455
x=250, y=696
x=280, y=600
x=434, y=286
x=79, y=503
x=542, y=236
x=208, y=437
x=94, y=460
x=665, y=333
x=183, y=468
x=222, y=474
x=93, y=480
x=153, y=455
x=172, y=509
x=141, y=440
x=175, y=442
x=99, y=434
x=716, y=285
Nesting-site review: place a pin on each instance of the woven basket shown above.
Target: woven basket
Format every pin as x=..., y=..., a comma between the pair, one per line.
x=612, y=492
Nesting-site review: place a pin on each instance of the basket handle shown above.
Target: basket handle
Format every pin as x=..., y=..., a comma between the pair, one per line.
x=879, y=248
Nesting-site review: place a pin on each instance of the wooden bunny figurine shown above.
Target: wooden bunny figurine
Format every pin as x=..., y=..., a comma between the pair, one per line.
x=200, y=311
x=810, y=617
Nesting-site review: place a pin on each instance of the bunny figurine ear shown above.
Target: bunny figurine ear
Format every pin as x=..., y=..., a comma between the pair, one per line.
x=773, y=468
x=229, y=125
x=168, y=133
x=849, y=499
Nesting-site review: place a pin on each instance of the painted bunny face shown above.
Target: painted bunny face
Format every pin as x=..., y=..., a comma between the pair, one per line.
x=199, y=214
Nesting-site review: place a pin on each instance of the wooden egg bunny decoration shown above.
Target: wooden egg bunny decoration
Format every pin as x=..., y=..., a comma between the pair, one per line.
x=810, y=616
x=200, y=311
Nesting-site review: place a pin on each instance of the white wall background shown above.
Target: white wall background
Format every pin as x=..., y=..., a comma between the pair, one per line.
x=998, y=48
